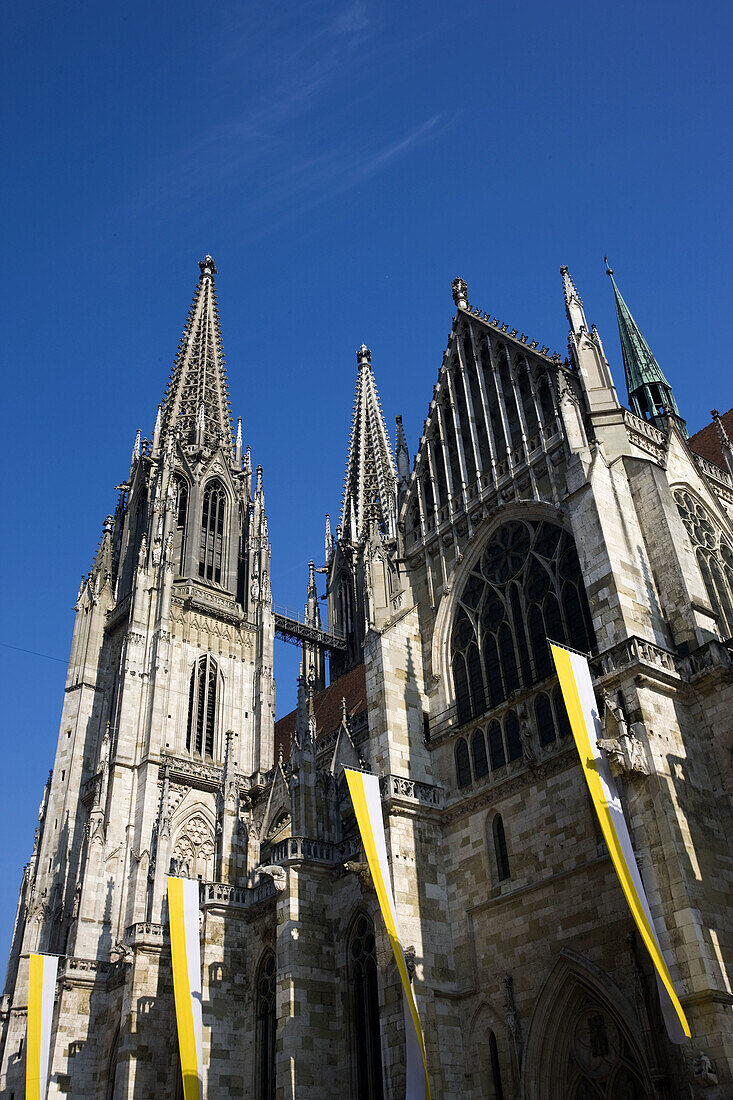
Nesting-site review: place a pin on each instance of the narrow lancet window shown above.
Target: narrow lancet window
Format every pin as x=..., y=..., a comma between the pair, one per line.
x=500, y=849
x=211, y=543
x=365, y=1010
x=202, y=707
x=266, y=1028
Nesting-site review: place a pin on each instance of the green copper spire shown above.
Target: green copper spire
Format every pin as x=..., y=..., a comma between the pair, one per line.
x=650, y=394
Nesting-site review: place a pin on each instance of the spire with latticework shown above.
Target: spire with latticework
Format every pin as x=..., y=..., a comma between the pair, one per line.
x=650, y=394
x=196, y=402
x=370, y=487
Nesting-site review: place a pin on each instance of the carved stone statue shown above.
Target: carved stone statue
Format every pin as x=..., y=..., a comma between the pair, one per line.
x=704, y=1071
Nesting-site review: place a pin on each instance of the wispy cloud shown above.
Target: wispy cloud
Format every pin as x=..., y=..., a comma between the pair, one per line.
x=290, y=143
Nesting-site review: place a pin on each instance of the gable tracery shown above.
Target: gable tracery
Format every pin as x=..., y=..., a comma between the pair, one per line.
x=714, y=555
x=194, y=850
x=493, y=410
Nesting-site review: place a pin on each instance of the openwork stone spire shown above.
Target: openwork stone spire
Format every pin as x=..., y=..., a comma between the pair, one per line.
x=197, y=399
x=370, y=487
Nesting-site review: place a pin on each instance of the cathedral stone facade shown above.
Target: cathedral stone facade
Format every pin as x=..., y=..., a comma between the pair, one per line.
x=537, y=506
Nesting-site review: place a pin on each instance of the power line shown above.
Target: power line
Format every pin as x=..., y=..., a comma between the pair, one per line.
x=33, y=652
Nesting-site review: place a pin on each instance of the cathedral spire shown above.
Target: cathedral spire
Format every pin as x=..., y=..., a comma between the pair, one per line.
x=197, y=399
x=370, y=486
x=650, y=394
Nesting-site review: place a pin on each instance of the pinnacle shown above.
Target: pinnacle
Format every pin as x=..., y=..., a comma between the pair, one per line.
x=370, y=485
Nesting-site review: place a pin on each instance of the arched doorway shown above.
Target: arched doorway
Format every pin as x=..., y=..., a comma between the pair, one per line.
x=584, y=1041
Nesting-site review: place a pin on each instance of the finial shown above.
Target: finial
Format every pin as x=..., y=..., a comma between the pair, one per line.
x=136, y=448
x=280, y=755
x=238, y=442
x=363, y=355
x=343, y=709
x=207, y=265
x=460, y=293
x=311, y=575
x=108, y=526
x=609, y=270
x=258, y=482
x=156, y=429
x=723, y=436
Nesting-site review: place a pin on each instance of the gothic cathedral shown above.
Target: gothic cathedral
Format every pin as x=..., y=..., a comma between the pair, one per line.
x=537, y=505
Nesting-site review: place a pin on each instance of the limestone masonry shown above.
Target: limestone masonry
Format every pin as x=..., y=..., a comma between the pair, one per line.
x=537, y=505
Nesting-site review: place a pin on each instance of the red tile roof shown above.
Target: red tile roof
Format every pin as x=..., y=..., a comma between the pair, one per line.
x=706, y=442
x=327, y=707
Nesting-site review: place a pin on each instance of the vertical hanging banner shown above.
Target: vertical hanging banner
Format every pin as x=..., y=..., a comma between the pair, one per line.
x=364, y=791
x=183, y=914
x=580, y=702
x=42, y=972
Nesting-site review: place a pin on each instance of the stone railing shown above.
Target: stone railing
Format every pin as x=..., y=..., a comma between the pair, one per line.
x=634, y=651
x=643, y=434
x=710, y=470
x=85, y=968
x=398, y=786
x=146, y=934
x=192, y=769
x=309, y=850
x=216, y=894
x=708, y=657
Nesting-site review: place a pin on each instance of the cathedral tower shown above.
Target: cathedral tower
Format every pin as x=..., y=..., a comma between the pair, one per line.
x=169, y=693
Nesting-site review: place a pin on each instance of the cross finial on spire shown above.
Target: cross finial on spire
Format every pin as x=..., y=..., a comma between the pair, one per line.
x=207, y=265
x=363, y=355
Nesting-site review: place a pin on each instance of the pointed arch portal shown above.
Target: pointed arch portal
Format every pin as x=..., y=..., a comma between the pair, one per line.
x=582, y=1043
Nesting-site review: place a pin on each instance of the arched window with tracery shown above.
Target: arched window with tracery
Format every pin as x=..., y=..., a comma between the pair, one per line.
x=201, y=729
x=266, y=1027
x=526, y=586
x=463, y=763
x=179, y=539
x=365, y=1009
x=714, y=555
x=211, y=539
x=500, y=848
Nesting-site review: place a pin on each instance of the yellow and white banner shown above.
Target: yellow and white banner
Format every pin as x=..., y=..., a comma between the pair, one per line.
x=580, y=702
x=41, y=991
x=364, y=790
x=183, y=914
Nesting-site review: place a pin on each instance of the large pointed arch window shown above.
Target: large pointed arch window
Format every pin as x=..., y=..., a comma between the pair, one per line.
x=202, y=706
x=525, y=587
x=266, y=1027
x=714, y=556
x=365, y=1009
x=211, y=539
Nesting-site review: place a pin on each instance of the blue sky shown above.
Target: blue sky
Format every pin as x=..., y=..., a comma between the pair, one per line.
x=342, y=162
